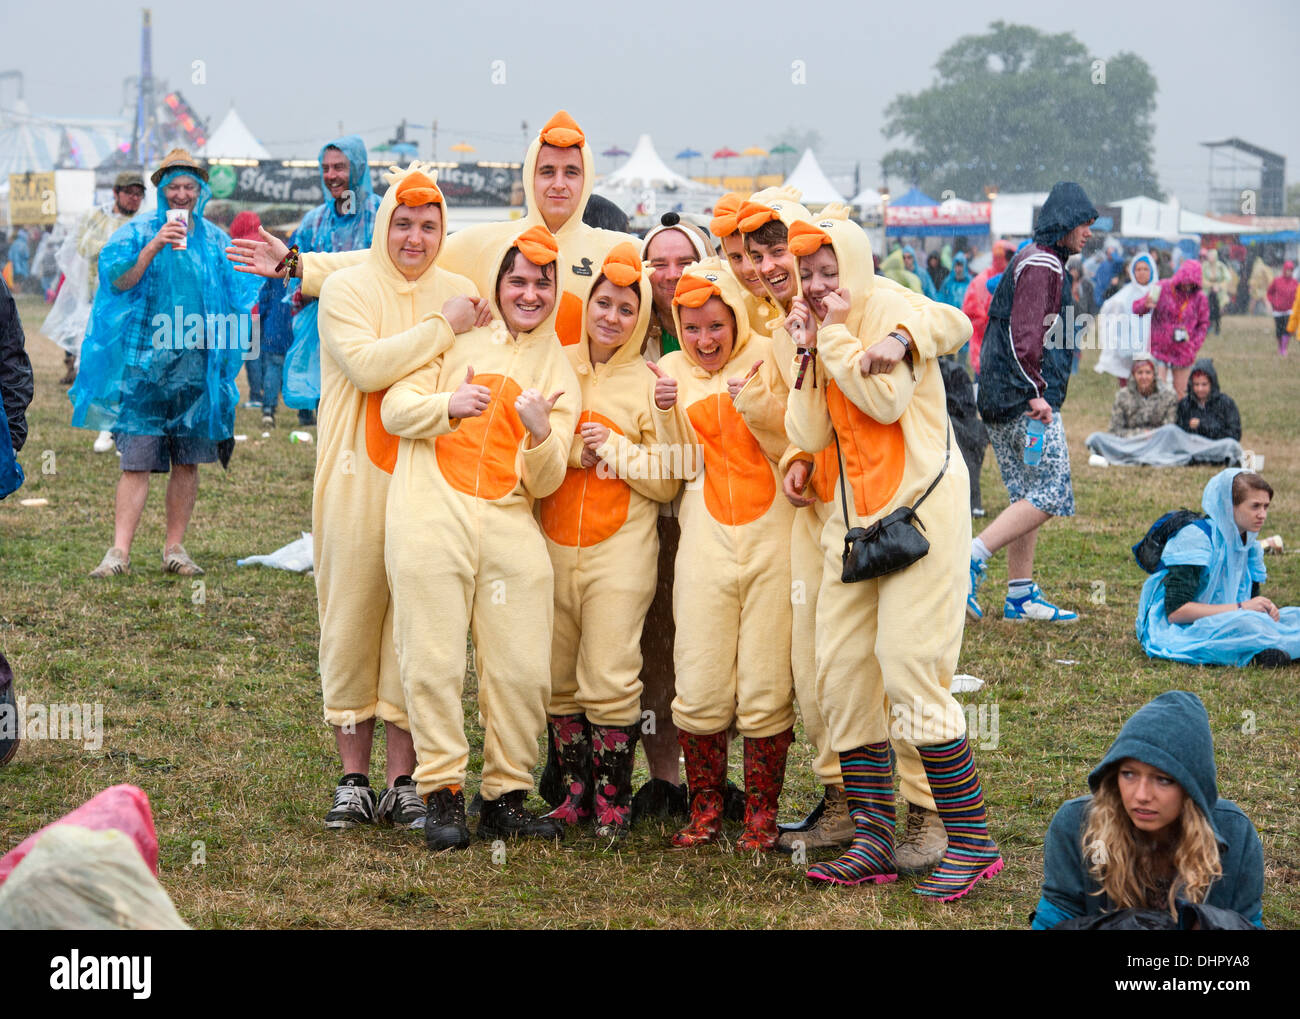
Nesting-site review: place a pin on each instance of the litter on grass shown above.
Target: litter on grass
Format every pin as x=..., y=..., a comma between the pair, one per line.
x=966, y=683
x=294, y=557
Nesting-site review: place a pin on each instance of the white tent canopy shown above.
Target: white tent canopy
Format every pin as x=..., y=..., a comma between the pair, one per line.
x=644, y=170
x=233, y=140
x=868, y=199
x=1146, y=217
x=808, y=177
x=1013, y=214
x=30, y=143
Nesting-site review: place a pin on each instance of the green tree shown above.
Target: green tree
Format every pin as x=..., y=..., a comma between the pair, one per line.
x=1018, y=109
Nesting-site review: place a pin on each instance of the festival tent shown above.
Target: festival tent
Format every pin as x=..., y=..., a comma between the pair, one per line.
x=867, y=200
x=916, y=214
x=233, y=140
x=644, y=170
x=1013, y=214
x=808, y=177
x=39, y=144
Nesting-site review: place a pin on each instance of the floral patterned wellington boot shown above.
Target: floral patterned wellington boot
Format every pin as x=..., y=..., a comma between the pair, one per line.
x=764, y=776
x=613, y=755
x=571, y=738
x=706, y=777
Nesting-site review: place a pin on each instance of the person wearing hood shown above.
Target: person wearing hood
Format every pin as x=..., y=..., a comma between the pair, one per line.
x=1121, y=333
x=345, y=221
x=895, y=267
x=1203, y=605
x=600, y=533
x=1206, y=410
x=1142, y=429
x=1261, y=278
x=668, y=248
x=1024, y=374
x=1154, y=833
x=379, y=321
x=731, y=596
x=17, y=385
x=975, y=304
x=808, y=484
x=937, y=271
x=559, y=173
x=955, y=283
x=168, y=331
x=725, y=225
x=1281, y=298
x=483, y=431
x=1180, y=317
x=1106, y=280
x=895, y=636
x=1220, y=285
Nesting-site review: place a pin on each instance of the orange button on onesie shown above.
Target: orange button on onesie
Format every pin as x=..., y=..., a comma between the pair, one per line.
x=897, y=635
x=473, y=251
x=464, y=551
x=943, y=327
x=731, y=593
x=375, y=327
x=600, y=529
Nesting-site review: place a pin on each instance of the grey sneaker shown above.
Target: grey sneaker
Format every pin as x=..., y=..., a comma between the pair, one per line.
x=353, y=805
x=923, y=843
x=177, y=560
x=113, y=563
x=401, y=806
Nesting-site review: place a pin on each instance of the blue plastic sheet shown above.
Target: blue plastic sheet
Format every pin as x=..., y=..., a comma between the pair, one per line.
x=301, y=389
x=161, y=358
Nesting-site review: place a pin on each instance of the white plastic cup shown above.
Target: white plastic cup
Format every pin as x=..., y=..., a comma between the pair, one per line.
x=300, y=437
x=181, y=216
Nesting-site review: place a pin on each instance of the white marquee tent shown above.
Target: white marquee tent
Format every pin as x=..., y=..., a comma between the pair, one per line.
x=233, y=140
x=808, y=177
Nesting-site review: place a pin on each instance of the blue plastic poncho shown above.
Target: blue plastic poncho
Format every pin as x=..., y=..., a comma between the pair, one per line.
x=161, y=358
x=953, y=290
x=324, y=228
x=11, y=471
x=921, y=273
x=1231, y=566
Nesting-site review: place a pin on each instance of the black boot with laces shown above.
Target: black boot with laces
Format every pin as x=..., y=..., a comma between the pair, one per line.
x=444, y=824
x=507, y=818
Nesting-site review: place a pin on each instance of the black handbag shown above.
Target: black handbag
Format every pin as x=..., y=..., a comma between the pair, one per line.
x=892, y=543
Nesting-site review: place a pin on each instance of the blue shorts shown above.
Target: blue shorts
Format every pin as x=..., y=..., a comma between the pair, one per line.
x=1047, y=486
x=156, y=453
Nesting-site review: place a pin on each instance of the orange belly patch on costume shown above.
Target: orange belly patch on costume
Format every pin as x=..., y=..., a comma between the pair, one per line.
x=568, y=320
x=587, y=508
x=478, y=458
x=381, y=445
x=826, y=473
x=738, y=482
x=874, y=455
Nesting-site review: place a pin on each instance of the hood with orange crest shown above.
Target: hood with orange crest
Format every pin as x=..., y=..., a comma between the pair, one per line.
x=700, y=282
x=563, y=132
x=537, y=245
x=622, y=267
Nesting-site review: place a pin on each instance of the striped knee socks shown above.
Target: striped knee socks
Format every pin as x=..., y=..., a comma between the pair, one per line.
x=971, y=854
x=869, y=786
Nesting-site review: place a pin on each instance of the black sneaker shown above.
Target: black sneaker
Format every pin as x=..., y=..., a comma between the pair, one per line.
x=401, y=805
x=661, y=799
x=354, y=803
x=444, y=824
x=507, y=818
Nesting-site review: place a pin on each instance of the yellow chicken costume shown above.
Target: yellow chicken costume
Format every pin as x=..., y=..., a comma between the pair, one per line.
x=473, y=251
x=600, y=532
x=944, y=326
x=464, y=551
x=897, y=635
x=731, y=596
x=375, y=327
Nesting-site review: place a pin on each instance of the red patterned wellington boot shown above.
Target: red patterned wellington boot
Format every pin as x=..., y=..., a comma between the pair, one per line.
x=764, y=776
x=706, y=778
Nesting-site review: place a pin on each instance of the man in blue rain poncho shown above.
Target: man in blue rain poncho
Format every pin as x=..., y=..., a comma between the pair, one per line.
x=345, y=221
x=168, y=332
x=1203, y=604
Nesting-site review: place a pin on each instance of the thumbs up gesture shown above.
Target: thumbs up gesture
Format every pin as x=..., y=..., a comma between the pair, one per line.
x=665, y=388
x=534, y=411
x=469, y=400
x=734, y=386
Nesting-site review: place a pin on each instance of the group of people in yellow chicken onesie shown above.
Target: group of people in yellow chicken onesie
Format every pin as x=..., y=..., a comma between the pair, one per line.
x=376, y=326
x=480, y=441
x=731, y=593
x=897, y=635
x=600, y=532
x=761, y=239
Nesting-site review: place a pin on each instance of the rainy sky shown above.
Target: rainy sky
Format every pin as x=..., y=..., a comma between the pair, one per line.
x=694, y=74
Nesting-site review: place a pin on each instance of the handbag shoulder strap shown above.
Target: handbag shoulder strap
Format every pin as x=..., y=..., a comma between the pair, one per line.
x=947, y=453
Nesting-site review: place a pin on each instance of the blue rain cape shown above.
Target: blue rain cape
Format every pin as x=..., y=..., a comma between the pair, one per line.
x=1230, y=567
x=953, y=290
x=923, y=274
x=11, y=471
x=161, y=358
x=324, y=228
